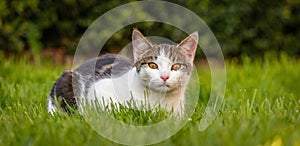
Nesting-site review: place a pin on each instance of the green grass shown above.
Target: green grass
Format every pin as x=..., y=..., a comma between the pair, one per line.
x=261, y=107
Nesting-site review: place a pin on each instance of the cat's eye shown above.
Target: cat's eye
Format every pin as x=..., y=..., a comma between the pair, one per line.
x=152, y=65
x=175, y=67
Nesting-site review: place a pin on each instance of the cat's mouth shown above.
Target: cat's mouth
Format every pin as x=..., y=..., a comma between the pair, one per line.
x=161, y=86
x=165, y=85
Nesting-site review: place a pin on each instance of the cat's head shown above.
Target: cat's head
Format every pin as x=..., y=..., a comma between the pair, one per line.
x=164, y=67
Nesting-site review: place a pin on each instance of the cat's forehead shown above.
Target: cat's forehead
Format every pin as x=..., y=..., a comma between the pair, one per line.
x=169, y=52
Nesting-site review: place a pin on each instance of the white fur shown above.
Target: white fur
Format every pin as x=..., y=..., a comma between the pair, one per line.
x=119, y=90
x=51, y=106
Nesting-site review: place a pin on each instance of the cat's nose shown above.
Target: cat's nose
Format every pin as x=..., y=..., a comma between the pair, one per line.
x=165, y=78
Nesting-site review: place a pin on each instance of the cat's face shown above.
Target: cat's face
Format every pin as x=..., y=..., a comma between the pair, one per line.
x=164, y=67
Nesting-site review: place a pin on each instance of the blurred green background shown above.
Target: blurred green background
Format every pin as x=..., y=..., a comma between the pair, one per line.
x=248, y=27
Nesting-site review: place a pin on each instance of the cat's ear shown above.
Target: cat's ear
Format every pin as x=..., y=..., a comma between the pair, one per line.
x=140, y=43
x=189, y=44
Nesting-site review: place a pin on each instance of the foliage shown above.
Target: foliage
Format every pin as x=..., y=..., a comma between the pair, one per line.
x=252, y=27
x=34, y=24
x=242, y=27
x=261, y=107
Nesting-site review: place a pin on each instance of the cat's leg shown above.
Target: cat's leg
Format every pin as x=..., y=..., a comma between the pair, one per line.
x=179, y=111
x=51, y=106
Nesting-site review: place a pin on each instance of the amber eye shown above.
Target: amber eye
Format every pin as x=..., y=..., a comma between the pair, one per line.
x=152, y=65
x=175, y=67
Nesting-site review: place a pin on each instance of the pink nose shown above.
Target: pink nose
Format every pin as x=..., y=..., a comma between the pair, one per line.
x=164, y=78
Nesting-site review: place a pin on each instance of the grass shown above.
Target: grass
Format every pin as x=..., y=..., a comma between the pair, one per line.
x=261, y=107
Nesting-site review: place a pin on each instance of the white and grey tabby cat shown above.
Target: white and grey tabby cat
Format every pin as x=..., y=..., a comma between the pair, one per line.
x=161, y=71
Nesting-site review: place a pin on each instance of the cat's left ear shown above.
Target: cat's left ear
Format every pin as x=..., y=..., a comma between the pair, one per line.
x=189, y=44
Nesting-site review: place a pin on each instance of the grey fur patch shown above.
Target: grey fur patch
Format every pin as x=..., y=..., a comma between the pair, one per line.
x=81, y=79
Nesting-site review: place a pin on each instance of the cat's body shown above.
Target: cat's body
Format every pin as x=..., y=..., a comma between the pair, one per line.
x=161, y=72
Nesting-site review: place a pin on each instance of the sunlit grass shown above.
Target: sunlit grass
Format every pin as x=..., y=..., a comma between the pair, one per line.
x=261, y=107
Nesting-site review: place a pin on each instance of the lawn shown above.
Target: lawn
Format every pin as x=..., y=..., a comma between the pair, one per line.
x=261, y=107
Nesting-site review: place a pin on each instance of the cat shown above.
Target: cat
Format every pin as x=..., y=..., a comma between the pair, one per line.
x=160, y=71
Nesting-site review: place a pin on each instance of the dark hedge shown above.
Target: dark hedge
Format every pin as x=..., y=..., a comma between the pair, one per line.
x=251, y=27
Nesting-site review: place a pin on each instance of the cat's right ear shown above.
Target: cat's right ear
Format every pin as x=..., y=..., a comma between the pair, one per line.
x=140, y=44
